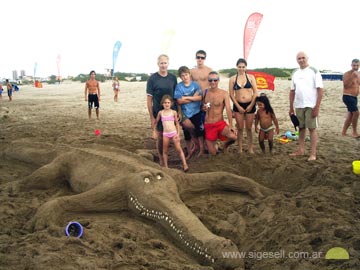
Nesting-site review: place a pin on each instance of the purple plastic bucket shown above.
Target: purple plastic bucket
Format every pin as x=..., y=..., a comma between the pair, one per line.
x=74, y=229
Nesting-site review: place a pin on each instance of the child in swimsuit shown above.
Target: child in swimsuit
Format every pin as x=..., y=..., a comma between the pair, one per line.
x=171, y=130
x=267, y=118
x=116, y=88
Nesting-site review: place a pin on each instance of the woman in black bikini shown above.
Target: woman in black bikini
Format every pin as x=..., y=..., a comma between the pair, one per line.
x=243, y=93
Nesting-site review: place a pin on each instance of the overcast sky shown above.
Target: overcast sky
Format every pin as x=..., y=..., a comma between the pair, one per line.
x=83, y=33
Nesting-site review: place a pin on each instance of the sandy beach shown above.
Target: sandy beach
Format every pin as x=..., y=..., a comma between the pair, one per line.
x=313, y=206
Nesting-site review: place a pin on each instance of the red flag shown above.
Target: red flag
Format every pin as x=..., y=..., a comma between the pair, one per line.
x=263, y=80
x=250, y=30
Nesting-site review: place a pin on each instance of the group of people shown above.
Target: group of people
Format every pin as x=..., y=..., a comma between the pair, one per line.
x=197, y=104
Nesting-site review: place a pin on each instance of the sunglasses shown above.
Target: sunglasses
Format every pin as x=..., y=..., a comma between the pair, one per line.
x=200, y=57
x=213, y=80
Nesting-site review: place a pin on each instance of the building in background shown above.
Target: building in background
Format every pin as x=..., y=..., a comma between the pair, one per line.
x=22, y=74
x=14, y=75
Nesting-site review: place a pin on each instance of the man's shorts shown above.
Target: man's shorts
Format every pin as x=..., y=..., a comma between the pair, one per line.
x=351, y=103
x=9, y=92
x=198, y=124
x=93, y=100
x=213, y=131
x=305, y=118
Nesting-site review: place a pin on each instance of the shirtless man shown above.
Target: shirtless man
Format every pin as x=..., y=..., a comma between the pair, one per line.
x=200, y=73
x=351, y=82
x=243, y=93
x=9, y=89
x=92, y=94
x=215, y=126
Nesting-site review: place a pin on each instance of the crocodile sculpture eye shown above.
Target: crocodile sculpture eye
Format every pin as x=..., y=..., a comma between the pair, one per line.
x=146, y=180
x=158, y=177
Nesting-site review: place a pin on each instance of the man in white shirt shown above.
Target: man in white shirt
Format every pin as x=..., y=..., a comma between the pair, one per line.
x=305, y=97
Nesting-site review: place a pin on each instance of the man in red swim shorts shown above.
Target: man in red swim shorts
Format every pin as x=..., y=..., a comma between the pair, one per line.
x=216, y=100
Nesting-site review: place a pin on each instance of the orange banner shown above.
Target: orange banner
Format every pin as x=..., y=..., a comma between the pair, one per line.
x=251, y=27
x=263, y=80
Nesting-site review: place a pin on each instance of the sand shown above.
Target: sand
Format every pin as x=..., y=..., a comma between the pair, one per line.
x=314, y=207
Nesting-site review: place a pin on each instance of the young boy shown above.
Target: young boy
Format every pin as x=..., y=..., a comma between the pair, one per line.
x=189, y=96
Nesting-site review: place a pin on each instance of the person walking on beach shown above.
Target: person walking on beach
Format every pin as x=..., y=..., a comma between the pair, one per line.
x=171, y=130
x=265, y=115
x=201, y=72
x=1, y=90
x=305, y=97
x=92, y=94
x=189, y=96
x=116, y=88
x=159, y=84
x=243, y=93
x=215, y=102
x=351, y=82
x=9, y=89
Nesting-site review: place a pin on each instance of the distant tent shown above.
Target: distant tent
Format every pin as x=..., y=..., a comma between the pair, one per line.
x=331, y=76
x=38, y=84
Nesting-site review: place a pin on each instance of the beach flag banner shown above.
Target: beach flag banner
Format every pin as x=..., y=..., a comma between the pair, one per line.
x=251, y=27
x=168, y=36
x=116, y=50
x=264, y=81
x=35, y=67
x=58, y=60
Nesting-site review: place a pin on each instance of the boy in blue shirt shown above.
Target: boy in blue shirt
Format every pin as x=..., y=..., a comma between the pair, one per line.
x=189, y=96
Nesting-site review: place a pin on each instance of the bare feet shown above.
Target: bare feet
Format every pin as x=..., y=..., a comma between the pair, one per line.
x=201, y=153
x=355, y=135
x=312, y=157
x=296, y=153
x=186, y=168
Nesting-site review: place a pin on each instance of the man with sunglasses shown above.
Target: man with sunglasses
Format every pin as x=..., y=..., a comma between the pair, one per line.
x=200, y=73
x=216, y=100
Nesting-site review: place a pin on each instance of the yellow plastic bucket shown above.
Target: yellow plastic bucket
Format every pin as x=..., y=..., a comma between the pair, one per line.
x=356, y=166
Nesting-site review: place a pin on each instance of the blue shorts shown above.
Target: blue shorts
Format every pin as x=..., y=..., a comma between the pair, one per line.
x=351, y=103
